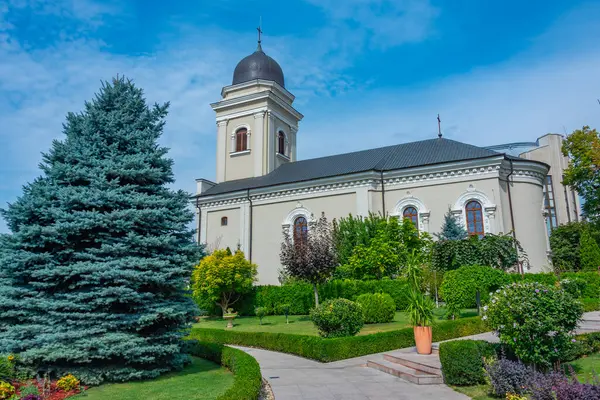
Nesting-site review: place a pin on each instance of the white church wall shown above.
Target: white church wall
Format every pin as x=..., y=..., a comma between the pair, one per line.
x=268, y=224
x=529, y=223
x=240, y=165
x=220, y=237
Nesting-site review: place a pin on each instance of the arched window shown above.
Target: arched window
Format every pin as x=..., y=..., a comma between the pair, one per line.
x=300, y=230
x=223, y=221
x=241, y=139
x=474, y=218
x=411, y=214
x=281, y=143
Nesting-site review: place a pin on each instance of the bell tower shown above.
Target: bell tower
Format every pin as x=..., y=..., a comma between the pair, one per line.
x=256, y=122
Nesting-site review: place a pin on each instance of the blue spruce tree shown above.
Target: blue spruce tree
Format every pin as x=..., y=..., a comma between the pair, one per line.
x=93, y=277
x=451, y=229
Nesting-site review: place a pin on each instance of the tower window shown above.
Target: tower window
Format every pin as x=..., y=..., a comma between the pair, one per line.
x=411, y=214
x=474, y=218
x=223, y=221
x=300, y=230
x=241, y=139
x=281, y=143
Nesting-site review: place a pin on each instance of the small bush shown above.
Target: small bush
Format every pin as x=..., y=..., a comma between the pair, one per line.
x=6, y=390
x=7, y=367
x=338, y=318
x=460, y=286
x=462, y=361
x=377, y=308
x=68, y=383
x=575, y=286
x=507, y=376
x=260, y=312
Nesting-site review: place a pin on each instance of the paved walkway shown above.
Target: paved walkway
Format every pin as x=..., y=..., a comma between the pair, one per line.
x=297, y=378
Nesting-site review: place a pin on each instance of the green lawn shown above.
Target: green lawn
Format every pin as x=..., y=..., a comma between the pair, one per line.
x=476, y=392
x=302, y=325
x=586, y=367
x=202, y=380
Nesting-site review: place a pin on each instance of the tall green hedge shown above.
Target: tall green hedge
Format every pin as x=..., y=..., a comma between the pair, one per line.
x=247, y=379
x=461, y=285
x=301, y=298
x=327, y=350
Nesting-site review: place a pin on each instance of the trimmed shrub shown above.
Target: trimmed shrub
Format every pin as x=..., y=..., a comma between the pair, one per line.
x=377, y=308
x=462, y=361
x=260, y=313
x=507, y=376
x=328, y=350
x=338, y=318
x=247, y=379
x=460, y=286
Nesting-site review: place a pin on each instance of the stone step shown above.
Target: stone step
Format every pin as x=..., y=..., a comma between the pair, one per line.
x=406, y=373
x=429, y=364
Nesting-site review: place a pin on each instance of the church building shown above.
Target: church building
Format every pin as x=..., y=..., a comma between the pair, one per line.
x=261, y=187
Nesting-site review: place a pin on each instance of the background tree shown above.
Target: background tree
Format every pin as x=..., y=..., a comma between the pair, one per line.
x=565, y=244
x=375, y=247
x=94, y=274
x=222, y=277
x=451, y=229
x=313, y=258
x=589, y=252
x=583, y=173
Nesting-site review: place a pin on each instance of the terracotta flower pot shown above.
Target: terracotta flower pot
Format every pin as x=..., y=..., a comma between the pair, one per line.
x=423, y=339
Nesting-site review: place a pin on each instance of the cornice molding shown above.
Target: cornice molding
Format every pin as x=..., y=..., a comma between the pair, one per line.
x=468, y=169
x=223, y=105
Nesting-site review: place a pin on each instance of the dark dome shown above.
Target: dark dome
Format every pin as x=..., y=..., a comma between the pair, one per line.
x=258, y=65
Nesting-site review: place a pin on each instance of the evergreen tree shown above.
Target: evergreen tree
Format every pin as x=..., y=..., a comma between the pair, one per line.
x=589, y=252
x=93, y=276
x=451, y=229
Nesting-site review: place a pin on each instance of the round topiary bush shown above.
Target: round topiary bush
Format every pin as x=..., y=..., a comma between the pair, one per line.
x=337, y=318
x=534, y=320
x=377, y=308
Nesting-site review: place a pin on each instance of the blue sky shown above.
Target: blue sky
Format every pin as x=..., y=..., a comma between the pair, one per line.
x=365, y=73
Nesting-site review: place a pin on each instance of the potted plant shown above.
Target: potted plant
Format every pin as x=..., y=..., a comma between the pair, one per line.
x=420, y=311
x=229, y=316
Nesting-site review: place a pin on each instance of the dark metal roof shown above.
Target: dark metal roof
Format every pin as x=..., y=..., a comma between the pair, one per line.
x=258, y=65
x=400, y=156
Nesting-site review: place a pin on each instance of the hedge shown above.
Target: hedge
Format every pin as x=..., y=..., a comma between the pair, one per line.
x=247, y=381
x=327, y=350
x=301, y=298
x=592, y=290
x=462, y=361
x=460, y=286
x=591, y=305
